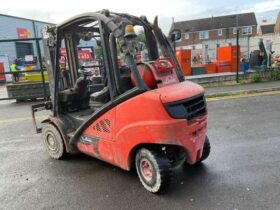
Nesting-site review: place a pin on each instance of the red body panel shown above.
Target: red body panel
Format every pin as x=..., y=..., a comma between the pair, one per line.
x=179, y=91
x=144, y=120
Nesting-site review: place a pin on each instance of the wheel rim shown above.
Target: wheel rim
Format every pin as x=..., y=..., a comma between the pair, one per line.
x=146, y=169
x=51, y=142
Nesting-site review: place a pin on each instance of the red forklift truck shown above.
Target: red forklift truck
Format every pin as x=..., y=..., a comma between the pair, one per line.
x=133, y=115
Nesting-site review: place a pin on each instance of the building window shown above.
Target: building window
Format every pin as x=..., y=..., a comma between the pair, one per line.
x=220, y=32
x=185, y=35
x=246, y=30
x=203, y=35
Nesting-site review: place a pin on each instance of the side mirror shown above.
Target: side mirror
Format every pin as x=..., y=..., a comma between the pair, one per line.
x=175, y=35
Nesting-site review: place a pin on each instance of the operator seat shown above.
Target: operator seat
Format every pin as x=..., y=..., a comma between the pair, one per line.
x=76, y=98
x=99, y=98
x=82, y=92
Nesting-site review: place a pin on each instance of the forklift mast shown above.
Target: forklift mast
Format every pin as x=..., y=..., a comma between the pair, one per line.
x=49, y=43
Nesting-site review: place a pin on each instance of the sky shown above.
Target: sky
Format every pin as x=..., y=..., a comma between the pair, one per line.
x=55, y=11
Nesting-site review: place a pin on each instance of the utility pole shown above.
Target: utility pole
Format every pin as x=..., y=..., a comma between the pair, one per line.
x=237, y=50
x=237, y=56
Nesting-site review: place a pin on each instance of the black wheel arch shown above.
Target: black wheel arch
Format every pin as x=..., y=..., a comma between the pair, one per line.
x=151, y=146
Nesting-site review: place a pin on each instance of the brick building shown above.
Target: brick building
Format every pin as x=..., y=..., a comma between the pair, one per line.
x=215, y=28
x=207, y=34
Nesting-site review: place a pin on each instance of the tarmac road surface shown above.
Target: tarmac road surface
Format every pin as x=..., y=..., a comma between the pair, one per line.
x=242, y=172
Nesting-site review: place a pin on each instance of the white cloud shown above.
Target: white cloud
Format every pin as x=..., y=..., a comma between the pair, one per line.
x=264, y=6
x=57, y=10
x=267, y=6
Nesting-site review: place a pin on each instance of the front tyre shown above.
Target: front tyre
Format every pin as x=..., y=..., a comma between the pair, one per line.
x=153, y=170
x=53, y=142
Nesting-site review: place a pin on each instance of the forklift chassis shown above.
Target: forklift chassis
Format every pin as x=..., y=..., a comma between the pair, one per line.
x=152, y=129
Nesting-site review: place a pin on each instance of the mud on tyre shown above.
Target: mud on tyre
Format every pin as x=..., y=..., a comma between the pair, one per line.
x=53, y=142
x=153, y=169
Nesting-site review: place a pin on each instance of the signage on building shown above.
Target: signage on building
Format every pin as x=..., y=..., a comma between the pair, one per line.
x=28, y=58
x=84, y=54
x=23, y=33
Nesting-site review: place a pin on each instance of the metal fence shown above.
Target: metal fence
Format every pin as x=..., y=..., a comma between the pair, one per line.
x=29, y=90
x=207, y=49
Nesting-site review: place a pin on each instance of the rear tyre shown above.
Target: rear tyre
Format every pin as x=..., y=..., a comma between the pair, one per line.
x=53, y=142
x=205, y=153
x=206, y=149
x=153, y=170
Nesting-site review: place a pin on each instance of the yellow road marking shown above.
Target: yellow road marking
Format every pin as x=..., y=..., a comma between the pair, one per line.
x=243, y=96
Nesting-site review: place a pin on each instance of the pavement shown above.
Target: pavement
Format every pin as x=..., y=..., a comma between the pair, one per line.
x=242, y=171
x=241, y=88
x=212, y=75
x=215, y=91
